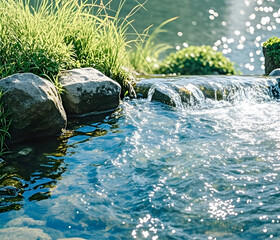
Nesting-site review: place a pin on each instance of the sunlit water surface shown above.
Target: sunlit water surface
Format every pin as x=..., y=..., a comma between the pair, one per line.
x=151, y=171
x=235, y=27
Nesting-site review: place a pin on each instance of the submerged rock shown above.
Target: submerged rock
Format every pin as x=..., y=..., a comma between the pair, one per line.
x=25, y=151
x=34, y=106
x=23, y=233
x=24, y=221
x=87, y=90
x=74, y=238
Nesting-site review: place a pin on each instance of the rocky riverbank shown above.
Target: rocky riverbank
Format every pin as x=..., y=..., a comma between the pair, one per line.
x=37, y=110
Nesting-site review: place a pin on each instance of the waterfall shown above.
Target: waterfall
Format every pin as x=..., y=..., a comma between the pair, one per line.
x=189, y=91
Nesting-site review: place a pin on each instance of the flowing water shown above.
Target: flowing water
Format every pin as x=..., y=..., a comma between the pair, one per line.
x=206, y=167
x=207, y=170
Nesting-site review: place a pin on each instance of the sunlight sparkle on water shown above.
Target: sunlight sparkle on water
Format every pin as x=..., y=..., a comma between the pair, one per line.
x=258, y=23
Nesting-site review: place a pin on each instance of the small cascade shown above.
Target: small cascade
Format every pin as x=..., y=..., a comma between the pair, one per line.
x=188, y=91
x=166, y=94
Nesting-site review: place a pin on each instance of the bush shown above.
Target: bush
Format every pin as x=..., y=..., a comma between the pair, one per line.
x=196, y=60
x=271, y=49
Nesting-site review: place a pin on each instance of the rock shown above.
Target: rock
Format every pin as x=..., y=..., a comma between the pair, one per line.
x=23, y=233
x=2, y=162
x=276, y=88
x=275, y=73
x=10, y=191
x=34, y=106
x=161, y=92
x=189, y=91
x=25, y=151
x=87, y=91
x=269, y=62
x=25, y=221
x=130, y=91
x=71, y=238
x=142, y=88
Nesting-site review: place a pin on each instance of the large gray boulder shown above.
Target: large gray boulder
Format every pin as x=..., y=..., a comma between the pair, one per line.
x=87, y=90
x=34, y=106
x=269, y=62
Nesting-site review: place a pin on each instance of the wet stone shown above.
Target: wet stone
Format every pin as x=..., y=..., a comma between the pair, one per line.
x=9, y=191
x=88, y=91
x=25, y=151
x=23, y=233
x=25, y=221
x=2, y=162
x=34, y=106
x=71, y=238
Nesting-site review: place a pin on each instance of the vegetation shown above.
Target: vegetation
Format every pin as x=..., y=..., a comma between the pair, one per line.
x=4, y=127
x=47, y=38
x=196, y=60
x=145, y=56
x=272, y=54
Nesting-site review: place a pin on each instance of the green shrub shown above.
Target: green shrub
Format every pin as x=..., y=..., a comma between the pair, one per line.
x=196, y=60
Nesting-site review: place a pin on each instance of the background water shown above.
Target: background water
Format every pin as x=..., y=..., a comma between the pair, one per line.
x=151, y=171
x=236, y=27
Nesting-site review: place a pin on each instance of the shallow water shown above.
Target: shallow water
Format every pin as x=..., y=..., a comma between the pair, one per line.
x=152, y=171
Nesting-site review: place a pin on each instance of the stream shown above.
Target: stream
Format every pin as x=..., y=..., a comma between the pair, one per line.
x=206, y=170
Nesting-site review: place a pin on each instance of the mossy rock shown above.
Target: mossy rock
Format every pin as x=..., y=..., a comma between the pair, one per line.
x=271, y=52
x=196, y=60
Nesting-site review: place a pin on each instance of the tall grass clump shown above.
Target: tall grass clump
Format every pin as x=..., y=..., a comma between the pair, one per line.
x=31, y=40
x=61, y=34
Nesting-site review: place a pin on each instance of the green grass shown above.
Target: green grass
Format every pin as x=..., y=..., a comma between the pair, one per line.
x=196, y=60
x=145, y=55
x=47, y=38
x=4, y=127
